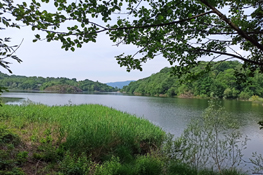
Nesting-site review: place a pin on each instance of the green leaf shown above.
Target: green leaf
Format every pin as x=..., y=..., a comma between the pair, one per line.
x=37, y=36
x=160, y=17
x=119, y=22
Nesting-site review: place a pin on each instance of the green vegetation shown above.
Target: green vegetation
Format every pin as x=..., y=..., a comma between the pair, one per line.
x=211, y=141
x=92, y=140
x=220, y=82
x=74, y=139
x=181, y=32
x=61, y=84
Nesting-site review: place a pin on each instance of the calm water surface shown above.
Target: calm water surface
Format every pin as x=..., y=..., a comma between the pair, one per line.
x=171, y=114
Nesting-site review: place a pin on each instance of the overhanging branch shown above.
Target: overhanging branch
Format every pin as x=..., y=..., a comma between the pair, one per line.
x=232, y=55
x=233, y=26
x=157, y=25
x=132, y=27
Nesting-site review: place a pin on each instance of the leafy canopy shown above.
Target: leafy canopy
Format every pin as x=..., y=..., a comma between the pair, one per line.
x=180, y=31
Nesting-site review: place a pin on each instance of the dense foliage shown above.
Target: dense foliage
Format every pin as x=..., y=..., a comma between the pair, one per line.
x=220, y=82
x=180, y=31
x=39, y=83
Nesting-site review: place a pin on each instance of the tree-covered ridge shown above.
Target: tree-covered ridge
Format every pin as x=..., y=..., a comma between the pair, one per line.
x=220, y=82
x=50, y=83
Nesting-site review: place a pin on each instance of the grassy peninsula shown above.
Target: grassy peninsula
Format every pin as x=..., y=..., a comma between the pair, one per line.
x=88, y=140
x=84, y=139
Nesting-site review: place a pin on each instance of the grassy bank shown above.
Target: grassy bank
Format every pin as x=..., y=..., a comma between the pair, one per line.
x=83, y=139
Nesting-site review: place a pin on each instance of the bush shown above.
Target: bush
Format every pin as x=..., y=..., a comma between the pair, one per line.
x=110, y=167
x=177, y=168
x=148, y=165
x=256, y=98
x=143, y=165
x=228, y=93
x=77, y=165
x=213, y=141
x=244, y=95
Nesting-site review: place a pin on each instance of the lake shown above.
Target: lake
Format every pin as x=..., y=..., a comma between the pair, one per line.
x=171, y=114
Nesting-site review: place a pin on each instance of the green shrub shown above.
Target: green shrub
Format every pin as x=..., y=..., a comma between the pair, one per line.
x=13, y=171
x=148, y=165
x=256, y=98
x=110, y=167
x=228, y=93
x=73, y=164
x=21, y=157
x=203, y=96
x=126, y=169
x=244, y=95
x=176, y=168
x=6, y=136
x=123, y=152
x=213, y=141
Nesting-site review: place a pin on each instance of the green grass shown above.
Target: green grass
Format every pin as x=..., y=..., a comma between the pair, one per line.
x=93, y=129
x=84, y=140
x=96, y=131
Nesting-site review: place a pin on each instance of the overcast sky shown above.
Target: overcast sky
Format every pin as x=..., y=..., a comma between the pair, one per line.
x=94, y=61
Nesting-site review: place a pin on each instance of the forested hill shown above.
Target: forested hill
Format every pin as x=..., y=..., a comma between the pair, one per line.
x=119, y=84
x=220, y=82
x=61, y=84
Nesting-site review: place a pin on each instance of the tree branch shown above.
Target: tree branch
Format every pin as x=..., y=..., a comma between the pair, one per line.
x=162, y=24
x=14, y=51
x=231, y=24
x=232, y=33
x=232, y=55
x=132, y=27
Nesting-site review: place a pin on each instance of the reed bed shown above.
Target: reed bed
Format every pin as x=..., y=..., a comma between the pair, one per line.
x=93, y=129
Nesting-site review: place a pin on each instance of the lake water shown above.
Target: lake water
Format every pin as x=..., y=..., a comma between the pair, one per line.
x=171, y=114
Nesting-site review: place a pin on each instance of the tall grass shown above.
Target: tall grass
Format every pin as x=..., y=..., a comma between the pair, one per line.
x=93, y=129
x=90, y=140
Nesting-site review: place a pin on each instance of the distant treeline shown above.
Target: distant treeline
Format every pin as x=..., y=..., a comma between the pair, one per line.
x=61, y=84
x=221, y=82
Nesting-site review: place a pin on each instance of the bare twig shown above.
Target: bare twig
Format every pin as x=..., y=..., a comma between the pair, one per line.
x=14, y=50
